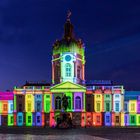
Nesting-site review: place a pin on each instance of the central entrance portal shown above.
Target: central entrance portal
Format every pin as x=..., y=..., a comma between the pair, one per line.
x=64, y=120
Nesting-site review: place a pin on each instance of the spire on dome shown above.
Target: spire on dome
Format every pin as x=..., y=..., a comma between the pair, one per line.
x=68, y=28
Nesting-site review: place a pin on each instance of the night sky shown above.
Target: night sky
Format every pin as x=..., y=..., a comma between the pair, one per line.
x=110, y=30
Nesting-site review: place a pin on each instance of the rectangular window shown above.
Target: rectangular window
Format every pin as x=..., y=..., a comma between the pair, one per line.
x=38, y=119
x=125, y=119
x=117, y=107
x=139, y=119
x=38, y=106
x=29, y=119
x=117, y=96
x=107, y=119
x=117, y=119
x=133, y=107
x=5, y=107
x=20, y=107
x=12, y=119
x=98, y=106
x=98, y=96
x=29, y=107
x=98, y=119
x=107, y=96
x=132, y=119
x=20, y=119
x=107, y=107
x=29, y=96
x=125, y=107
x=11, y=107
x=138, y=107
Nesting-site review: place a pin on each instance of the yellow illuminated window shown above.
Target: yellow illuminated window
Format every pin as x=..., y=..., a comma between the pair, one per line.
x=132, y=107
x=29, y=107
x=98, y=106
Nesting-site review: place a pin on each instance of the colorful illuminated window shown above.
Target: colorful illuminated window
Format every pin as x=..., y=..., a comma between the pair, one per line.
x=5, y=107
x=117, y=106
x=29, y=107
x=69, y=102
x=125, y=119
x=133, y=107
x=98, y=106
x=107, y=106
x=38, y=96
x=20, y=119
x=11, y=119
x=29, y=119
x=38, y=106
x=78, y=102
x=38, y=119
x=117, y=119
x=132, y=119
x=57, y=102
x=107, y=96
x=139, y=119
x=107, y=119
x=11, y=107
x=138, y=107
x=29, y=96
x=68, y=70
x=98, y=96
x=117, y=96
x=125, y=107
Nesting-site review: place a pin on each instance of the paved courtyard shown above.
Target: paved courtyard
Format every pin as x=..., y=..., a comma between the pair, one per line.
x=70, y=134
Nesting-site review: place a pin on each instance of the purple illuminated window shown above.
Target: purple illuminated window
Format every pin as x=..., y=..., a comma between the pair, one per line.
x=78, y=102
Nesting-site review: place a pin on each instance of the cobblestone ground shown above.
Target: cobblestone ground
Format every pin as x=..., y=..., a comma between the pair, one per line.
x=70, y=134
x=50, y=137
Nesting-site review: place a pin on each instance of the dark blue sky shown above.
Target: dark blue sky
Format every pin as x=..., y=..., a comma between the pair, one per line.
x=110, y=30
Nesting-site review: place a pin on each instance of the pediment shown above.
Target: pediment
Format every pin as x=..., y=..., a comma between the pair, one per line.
x=68, y=87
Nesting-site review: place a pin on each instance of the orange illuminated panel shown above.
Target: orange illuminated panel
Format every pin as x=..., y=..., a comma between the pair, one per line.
x=89, y=119
x=4, y=107
x=83, y=119
x=97, y=119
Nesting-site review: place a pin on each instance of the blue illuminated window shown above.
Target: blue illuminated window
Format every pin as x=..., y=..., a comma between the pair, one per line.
x=68, y=70
x=117, y=106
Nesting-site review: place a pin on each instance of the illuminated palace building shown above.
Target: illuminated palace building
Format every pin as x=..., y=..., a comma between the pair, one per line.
x=69, y=100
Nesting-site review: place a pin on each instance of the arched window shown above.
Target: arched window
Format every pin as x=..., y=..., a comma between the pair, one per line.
x=68, y=70
x=78, y=102
x=57, y=102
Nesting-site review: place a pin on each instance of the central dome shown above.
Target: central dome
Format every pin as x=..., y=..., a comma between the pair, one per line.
x=68, y=43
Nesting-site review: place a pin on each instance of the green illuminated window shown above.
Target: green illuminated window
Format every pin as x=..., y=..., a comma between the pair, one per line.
x=107, y=106
x=29, y=119
x=69, y=102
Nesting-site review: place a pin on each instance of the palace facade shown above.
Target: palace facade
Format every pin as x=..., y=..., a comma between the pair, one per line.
x=88, y=104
